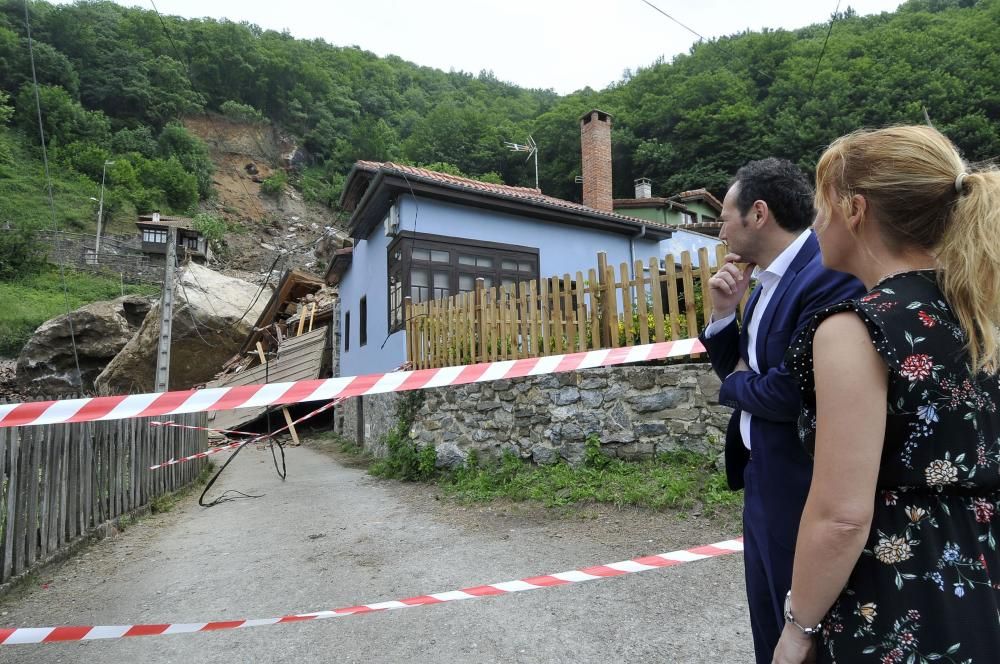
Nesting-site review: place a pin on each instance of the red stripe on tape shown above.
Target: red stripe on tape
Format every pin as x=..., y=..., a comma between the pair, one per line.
x=483, y=591
x=421, y=601
x=602, y=570
x=26, y=413
x=146, y=630
x=96, y=409
x=545, y=581
x=5, y=633
x=166, y=402
x=224, y=624
x=290, y=619
x=656, y=561
x=522, y=368
x=68, y=634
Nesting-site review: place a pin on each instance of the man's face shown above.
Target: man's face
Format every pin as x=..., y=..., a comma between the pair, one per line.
x=736, y=231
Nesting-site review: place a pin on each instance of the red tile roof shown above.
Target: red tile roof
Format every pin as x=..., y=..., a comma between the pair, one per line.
x=699, y=193
x=529, y=194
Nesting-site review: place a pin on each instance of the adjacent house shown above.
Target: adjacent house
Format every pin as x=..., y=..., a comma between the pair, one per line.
x=154, y=230
x=427, y=235
x=696, y=210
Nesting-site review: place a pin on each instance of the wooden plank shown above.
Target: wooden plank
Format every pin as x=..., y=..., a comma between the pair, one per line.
x=706, y=274
x=595, y=309
x=544, y=314
x=657, y=296
x=690, y=305
x=260, y=353
x=558, y=323
x=302, y=320
x=673, y=301
x=627, y=304
x=21, y=512
x=568, y=313
x=13, y=484
x=291, y=427
x=612, y=307
x=640, y=298
x=312, y=315
x=410, y=331
x=45, y=491
x=581, y=312
x=607, y=312
x=480, y=318
x=523, y=330
x=31, y=525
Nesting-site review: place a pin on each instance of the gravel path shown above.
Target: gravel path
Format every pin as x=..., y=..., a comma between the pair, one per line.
x=331, y=536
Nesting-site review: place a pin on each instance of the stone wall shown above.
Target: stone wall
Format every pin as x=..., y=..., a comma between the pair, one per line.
x=637, y=412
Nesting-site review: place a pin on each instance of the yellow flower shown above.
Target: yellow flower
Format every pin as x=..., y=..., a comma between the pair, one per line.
x=867, y=611
x=915, y=513
x=893, y=549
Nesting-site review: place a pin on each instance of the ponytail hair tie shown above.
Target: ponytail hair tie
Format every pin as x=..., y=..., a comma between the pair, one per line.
x=960, y=181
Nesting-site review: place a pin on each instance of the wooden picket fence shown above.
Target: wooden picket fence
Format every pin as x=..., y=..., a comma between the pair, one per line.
x=60, y=482
x=608, y=307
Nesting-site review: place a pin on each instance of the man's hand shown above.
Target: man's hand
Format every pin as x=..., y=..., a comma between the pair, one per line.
x=727, y=287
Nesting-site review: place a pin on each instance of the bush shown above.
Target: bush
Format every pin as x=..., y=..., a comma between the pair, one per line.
x=20, y=254
x=213, y=228
x=275, y=185
x=234, y=110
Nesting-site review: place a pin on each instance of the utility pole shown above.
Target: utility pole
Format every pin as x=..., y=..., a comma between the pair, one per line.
x=166, y=314
x=100, y=213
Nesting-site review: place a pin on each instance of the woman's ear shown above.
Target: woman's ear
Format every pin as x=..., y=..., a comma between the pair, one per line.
x=859, y=206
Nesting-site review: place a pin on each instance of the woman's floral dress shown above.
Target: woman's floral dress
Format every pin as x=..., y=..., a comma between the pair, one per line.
x=923, y=589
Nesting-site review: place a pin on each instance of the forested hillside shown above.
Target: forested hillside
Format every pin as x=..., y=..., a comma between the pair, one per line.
x=115, y=82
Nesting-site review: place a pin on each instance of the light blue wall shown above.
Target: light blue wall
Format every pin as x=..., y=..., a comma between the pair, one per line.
x=561, y=249
x=367, y=277
x=686, y=241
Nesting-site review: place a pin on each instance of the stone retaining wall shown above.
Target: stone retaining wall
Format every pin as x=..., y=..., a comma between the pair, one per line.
x=637, y=412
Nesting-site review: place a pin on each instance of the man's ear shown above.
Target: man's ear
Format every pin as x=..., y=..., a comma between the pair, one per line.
x=760, y=212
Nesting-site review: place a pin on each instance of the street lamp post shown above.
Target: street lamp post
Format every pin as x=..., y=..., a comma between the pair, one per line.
x=100, y=212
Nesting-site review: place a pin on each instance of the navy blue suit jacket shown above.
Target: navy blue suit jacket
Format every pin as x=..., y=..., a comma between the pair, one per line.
x=772, y=396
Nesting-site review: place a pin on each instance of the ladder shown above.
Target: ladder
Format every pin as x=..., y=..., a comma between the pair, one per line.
x=166, y=314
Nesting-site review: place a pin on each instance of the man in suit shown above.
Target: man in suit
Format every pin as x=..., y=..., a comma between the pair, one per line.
x=767, y=214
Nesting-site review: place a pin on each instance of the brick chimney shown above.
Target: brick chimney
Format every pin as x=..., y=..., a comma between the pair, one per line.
x=595, y=143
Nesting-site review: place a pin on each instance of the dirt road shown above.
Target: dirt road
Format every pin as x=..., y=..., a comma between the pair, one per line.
x=331, y=536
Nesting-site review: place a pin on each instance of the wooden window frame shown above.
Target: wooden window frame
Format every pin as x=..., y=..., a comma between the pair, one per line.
x=400, y=269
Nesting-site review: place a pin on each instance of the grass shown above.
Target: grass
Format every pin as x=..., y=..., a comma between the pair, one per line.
x=678, y=480
x=28, y=302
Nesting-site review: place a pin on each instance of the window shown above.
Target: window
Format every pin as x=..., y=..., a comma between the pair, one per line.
x=363, y=322
x=191, y=242
x=347, y=331
x=431, y=267
x=155, y=235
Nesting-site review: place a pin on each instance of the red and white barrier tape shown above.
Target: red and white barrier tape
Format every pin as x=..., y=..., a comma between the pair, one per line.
x=259, y=437
x=255, y=396
x=200, y=455
x=21, y=635
x=176, y=425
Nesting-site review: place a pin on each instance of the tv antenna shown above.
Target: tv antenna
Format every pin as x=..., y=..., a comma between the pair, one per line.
x=531, y=148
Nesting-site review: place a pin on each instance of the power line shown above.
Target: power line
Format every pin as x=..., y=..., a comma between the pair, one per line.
x=48, y=184
x=833, y=19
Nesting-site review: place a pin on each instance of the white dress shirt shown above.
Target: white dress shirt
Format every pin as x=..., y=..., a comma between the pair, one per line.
x=768, y=279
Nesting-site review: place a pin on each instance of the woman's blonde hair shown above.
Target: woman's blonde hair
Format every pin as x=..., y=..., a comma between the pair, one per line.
x=910, y=179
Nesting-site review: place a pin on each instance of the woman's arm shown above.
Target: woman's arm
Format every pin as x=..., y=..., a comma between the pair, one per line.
x=851, y=390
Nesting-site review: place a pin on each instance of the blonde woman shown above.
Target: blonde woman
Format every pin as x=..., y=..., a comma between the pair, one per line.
x=896, y=559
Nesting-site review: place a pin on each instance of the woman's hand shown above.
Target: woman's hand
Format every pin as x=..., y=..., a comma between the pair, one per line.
x=794, y=647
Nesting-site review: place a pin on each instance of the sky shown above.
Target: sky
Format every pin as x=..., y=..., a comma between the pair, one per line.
x=564, y=45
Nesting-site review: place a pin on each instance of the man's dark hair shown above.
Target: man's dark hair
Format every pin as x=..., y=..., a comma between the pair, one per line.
x=780, y=184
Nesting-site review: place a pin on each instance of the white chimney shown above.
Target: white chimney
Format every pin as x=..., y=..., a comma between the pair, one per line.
x=643, y=188
x=156, y=217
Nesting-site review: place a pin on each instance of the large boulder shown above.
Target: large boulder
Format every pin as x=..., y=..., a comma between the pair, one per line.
x=46, y=365
x=213, y=314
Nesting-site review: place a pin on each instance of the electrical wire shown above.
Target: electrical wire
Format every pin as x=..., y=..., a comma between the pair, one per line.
x=833, y=19
x=48, y=184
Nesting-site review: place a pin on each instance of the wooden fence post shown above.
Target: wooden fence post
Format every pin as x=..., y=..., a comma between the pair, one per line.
x=480, y=321
x=605, y=289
